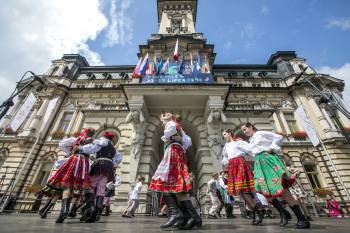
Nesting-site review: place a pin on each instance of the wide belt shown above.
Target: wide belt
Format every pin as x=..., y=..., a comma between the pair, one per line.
x=98, y=159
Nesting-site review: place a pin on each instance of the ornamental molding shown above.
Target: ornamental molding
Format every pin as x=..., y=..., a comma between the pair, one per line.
x=306, y=158
x=4, y=153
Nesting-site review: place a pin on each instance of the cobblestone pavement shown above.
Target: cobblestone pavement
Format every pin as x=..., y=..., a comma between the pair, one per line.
x=28, y=222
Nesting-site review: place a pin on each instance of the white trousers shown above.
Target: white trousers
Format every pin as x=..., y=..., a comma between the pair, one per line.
x=216, y=204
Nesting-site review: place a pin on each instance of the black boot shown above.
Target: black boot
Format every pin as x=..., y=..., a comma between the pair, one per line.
x=230, y=211
x=270, y=214
x=263, y=212
x=107, y=211
x=283, y=212
x=289, y=216
x=175, y=214
x=258, y=216
x=48, y=201
x=43, y=215
x=72, y=213
x=194, y=220
x=90, y=206
x=186, y=215
x=64, y=210
x=218, y=213
x=99, y=207
x=302, y=223
x=247, y=214
x=83, y=209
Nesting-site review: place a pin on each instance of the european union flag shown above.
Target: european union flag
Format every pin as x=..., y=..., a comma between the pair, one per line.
x=182, y=66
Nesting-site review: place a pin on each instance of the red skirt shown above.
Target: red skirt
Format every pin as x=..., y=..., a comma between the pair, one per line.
x=178, y=179
x=240, y=177
x=70, y=175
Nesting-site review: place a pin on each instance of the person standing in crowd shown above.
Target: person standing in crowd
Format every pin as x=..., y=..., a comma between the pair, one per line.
x=192, y=196
x=135, y=197
x=223, y=190
x=271, y=177
x=37, y=203
x=212, y=191
x=110, y=192
x=320, y=211
x=333, y=206
x=298, y=193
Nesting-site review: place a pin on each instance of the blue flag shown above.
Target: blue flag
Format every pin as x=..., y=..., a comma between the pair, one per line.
x=199, y=64
x=182, y=65
x=160, y=67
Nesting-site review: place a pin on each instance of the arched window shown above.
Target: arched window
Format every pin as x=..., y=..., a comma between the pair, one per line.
x=301, y=67
x=2, y=161
x=55, y=72
x=44, y=173
x=312, y=173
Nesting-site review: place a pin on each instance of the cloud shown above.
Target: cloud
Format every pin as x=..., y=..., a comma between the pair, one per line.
x=36, y=32
x=341, y=73
x=344, y=24
x=228, y=45
x=120, y=30
x=248, y=45
x=265, y=10
x=239, y=61
x=248, y=30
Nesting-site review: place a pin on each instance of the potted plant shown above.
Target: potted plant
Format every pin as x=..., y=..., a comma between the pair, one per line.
x=280, y=133
x=299, y=135
x=32, y=189
x=9, y=130
x=77, y=134
x=322, y=192
x=347, y=128
x=57, y=133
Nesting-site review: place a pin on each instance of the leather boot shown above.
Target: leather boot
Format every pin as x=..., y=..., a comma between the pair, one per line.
x=218, y=213
x=258, y=216
x=186, y=216
x=64, y=210
x=302, y=223
x=48, y=201
x=90, y=206
x=107, y=211
x=175, y=214
x=99, y=207
x=83, y=209
x=283, y=212
x=230, y=212
x=194, y=220
x=43, y=215
x=270, y=214
x=72, y=213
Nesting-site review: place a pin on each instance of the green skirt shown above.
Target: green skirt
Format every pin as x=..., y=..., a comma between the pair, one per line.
x=271, y=177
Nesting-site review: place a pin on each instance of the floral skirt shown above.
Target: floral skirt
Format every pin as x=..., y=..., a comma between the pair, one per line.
x=240, y=177
x=49, y=192
x=72, y=175
x=271, y=177
x=178, y=180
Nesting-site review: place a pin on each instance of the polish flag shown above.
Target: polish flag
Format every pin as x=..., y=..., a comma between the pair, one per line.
x=144, y=66
x=137, y=69
x=176, y=52
x=205, y=63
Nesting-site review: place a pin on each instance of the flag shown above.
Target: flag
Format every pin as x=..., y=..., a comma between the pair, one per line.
x=176, y=52
x=307, y=126
x=199, y=65
x=137, y=68
x=165, y=67
x=160, y=66
x=22, y=113
x=154, y=67
x=340, y=101
x=205, y=63
x=182, y=65
x=192, y=67
x=144, y=66
x=48, y=113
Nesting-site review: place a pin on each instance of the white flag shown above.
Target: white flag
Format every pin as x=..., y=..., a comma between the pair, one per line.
x=165, y=67
x=22, y=113
x=340, y=101
x=307, y=126
x=49, y=110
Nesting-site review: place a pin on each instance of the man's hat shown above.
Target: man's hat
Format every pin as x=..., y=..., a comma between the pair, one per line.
x=111, y=136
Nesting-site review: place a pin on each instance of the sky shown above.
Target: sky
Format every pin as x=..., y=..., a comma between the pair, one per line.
x=108, y=32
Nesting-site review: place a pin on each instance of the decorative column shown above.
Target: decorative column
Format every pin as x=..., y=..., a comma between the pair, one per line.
x=12, y=111
x=36, y=108
x=169, y=21
x=324, y=111
x=213, y=128
x=34, y=125
x=277, y=122
x=285, y=122
x=184, y=20
x=138, y=118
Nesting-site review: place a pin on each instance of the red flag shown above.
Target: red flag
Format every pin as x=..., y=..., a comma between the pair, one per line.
x=176, y=52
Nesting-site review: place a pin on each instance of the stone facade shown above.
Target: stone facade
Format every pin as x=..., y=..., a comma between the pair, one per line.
x=107, y=98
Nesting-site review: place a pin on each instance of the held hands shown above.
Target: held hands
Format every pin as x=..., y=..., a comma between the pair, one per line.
x=177, y=138
x=168, y=142
x=269, y=150
x=76, y=148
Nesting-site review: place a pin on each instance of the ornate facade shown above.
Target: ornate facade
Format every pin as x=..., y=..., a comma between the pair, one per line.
x=107, y=98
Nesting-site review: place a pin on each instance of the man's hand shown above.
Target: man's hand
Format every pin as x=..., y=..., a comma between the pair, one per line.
x=269, y=150
x=168, y=142
x=177, y=138
x=76, y=148
x=226, y=162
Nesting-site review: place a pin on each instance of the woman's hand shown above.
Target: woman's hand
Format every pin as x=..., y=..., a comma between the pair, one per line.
x=226, y=162
x=269, y=150
x=76, y=148
x=168, y=142
x=177, y=138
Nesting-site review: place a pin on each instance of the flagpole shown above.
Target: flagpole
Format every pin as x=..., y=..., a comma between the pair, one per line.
x=326, y=151
x=19, y=107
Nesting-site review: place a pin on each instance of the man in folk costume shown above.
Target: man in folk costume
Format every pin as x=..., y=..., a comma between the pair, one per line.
x=102, y=173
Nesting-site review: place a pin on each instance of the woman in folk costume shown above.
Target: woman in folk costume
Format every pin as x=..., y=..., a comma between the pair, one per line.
x=271, y=177
x=73, y=175
x=241, y=177
x=172, y=177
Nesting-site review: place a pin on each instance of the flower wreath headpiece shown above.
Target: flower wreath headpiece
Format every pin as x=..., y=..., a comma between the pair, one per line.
x=173, y=117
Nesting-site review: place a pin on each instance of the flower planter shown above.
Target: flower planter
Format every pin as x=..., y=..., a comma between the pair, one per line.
x=323, y=192
x=299, y=135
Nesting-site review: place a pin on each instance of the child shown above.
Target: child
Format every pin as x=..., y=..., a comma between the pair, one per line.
x=271, y=177
x=213, y=195
x=110, y=192
x=135, y=197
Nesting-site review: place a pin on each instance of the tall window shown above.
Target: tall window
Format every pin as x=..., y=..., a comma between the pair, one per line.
x=82, y=124
x=273, y=124
x=26, y=120
x=333, y=121
x=314, y=178
x=1, y=162
x=54, y=72
x=65, y=121
x=44, y=173
x=292, y=123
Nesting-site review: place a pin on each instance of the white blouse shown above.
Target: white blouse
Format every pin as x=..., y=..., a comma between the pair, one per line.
x=66, y=144
x=233, y=150
x=263, y=140
x=222, y=184
x=170, y=130
x=136, y=191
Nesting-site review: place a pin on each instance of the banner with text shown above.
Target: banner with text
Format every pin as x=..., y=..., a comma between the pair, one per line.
x=49, y=110
x=179, y=78
x=22, y=113
x=307, y=126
